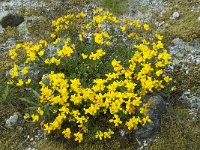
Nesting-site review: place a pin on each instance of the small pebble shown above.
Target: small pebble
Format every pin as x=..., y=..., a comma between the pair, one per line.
x=175, y=15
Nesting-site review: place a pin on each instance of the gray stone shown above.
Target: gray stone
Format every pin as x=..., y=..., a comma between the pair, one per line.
x=175, y=15
x=13, y=120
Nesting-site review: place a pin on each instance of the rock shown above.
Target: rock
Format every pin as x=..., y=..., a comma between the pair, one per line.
x=184, y=52
x=198, y=18
x=11, y=20
x=175, y=15
x=158, y=107
x=13, y=120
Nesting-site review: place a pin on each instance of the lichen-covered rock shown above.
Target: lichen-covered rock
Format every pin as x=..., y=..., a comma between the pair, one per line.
x=184, y=52
x=158, y=107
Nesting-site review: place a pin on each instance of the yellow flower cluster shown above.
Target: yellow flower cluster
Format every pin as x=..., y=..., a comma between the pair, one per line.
x=99, y=53
x=104, y=135
x=94, y=56
x=118, y=94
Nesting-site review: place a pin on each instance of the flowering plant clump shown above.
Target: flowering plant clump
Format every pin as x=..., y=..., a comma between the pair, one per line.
x=96, y=66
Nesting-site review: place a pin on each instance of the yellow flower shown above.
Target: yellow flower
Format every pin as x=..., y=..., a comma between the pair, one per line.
x=84, y=56
x=24, y=70
x=136, y=23
x=146, y=120
x=40, y=111
x=18, y=46
x=133, y=122
x=159, y=37
x=47, y=61
x=167, y=78
x=53, y=36
x=137, y=101
x=35, y=117
x=28, y=81
x=98, y=10
x=99, y=53
x=173, y=88
x=99, y=135
x=67, y=133
x=20, y=82
x=12, y=53
x=146, y=27
x=98, y=37
x=57, y=41
x=116, y=120
x=14, y=72
x=47, y=128
x=108, y=43
x=108, y=134
x=41, y=53
x=57, y=62
x=123, y=28
x=81, y=37
x=26, y=116
x=78, y=136
x=159, y=72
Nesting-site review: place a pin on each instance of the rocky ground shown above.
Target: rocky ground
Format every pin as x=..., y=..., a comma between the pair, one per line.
x=177, y=20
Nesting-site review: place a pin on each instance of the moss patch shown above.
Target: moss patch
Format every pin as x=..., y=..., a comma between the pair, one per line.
x=178, y=131
x=187, y=26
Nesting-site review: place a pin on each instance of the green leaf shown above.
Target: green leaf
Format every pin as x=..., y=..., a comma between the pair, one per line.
x=37, y=95
x=25, y=100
